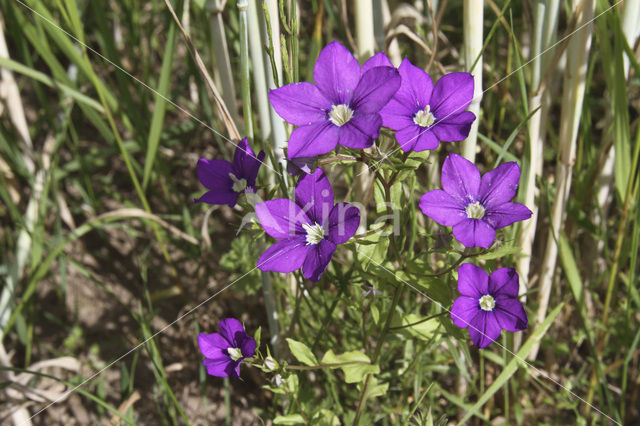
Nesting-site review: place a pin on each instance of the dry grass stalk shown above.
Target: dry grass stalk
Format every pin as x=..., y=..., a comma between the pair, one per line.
x=572, y=98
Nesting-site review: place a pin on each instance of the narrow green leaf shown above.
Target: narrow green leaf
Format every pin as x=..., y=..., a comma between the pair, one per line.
x=512, y=366
x=160, y=105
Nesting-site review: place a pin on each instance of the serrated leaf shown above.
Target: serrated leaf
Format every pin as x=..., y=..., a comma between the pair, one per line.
x=302, y=352
x=355, y=365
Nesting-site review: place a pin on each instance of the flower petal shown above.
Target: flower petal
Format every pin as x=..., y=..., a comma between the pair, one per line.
x=506, y=214
x=299, y=165
x=248, y=346
x=219, y=367
x=426, y=140
x=408, y=137
x=245, y=162
x=219, y=196
x=336, y=73
x=396, y=115
x=214, y=174
x=484, y=329
x=455, y=128
x=317, y=260
x=377, y=60
x=460, y=178
x=284, y=256
x=463, y=311
x=473, y=281
x=360, y=131
x=315, y=139
x=499, y=185
x=343, y=222
x=212, y=345
x=504, y=281
x=232, y=330
x=281, y=218
x=416, y=88
x=442, y=208
x=452, y=94
x=376, y=87
x=474, y=233
x=299, y=103
x=510, y=314
x=315, y=196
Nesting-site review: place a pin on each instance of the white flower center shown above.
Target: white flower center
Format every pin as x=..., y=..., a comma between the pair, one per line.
x=234, y=353
x=487, y=302
x=340, y=114
x=315, y=233
x=424, y=118
x=239, y=185
x=475, y=210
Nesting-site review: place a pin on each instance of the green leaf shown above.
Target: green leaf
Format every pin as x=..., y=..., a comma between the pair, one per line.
x=355, y=365
x=425, y=330
x=325, y=417
x=302, y=352
x=160, y=105
x=372, y=249
x=512, y=366
x=433, y=287
x=256, y=336
x=291, y=419
x=500, y=252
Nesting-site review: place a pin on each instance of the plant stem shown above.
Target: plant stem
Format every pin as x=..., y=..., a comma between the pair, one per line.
x=396, y=298
x=473, y=12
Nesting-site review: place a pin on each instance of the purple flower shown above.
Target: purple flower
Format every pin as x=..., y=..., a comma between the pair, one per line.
x=342, y=107
x=308, y=230
x=422, y=114
x=475, y=207
x=488, y=304
x=225, y=351
x=226, y=181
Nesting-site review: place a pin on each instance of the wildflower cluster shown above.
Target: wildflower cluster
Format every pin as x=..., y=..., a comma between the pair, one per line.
x=345, y=110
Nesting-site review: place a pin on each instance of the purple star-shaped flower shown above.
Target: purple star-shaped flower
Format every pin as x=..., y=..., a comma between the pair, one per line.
x=422, y=114
x=488, y=304
x=225, y=180
x=225, y=351
x=475, y=207
x=308, y=230
x=342, y=107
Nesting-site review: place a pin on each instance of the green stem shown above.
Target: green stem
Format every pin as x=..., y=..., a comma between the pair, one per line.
x=396, y=298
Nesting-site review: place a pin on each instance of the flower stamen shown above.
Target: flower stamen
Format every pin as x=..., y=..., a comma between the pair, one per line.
x=340, y=114
x=424, y=118
x=487, y=302
x=475, y=210
x=239, y=185
x=315, y=233
x=234, y=353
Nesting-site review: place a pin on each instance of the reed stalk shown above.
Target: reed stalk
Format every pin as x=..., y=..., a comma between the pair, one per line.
x=259, y=72
x=545, y=27
x=473, y=16
x=245, y=10
x=573, y=95
x=221, y=56
x=365, y=41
